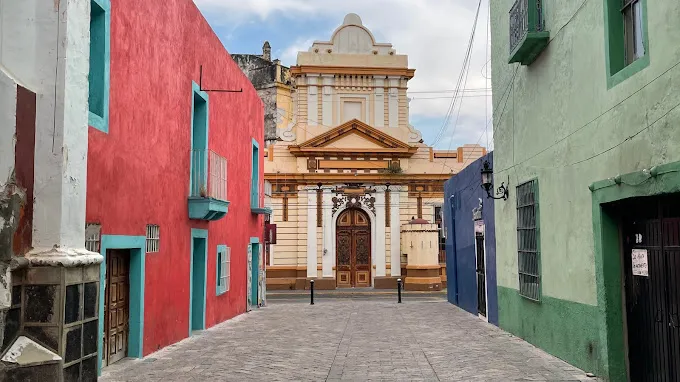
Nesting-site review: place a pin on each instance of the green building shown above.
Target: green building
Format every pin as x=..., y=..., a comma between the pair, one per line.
x=587, y=134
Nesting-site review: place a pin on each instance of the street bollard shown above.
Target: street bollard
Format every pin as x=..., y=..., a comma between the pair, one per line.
x=399, y=291
x=311, y=291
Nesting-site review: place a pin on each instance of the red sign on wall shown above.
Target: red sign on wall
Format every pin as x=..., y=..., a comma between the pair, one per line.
x=270, y=233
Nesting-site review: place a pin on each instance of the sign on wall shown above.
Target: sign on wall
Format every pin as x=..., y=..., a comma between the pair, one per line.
x=270, y=233
x=479, y=226
x=640, y=262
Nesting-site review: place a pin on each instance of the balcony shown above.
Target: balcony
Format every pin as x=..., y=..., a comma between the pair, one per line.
x=527, y=35
x=208, y=196
x=256, y=204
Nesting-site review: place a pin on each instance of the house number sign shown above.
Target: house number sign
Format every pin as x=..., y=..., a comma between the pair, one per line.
x=640, y=267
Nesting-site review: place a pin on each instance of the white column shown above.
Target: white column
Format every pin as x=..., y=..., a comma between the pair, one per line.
x=379, y=103
x=311, y=232
x=380, y=233
x=61, y=137
x=312, y=100
x=327, y=100
x=393, y=105
x=395, y=243
x=327, y=263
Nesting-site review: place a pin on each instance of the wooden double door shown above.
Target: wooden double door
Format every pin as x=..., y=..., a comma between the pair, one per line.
x=116, y=305
x=353, y=249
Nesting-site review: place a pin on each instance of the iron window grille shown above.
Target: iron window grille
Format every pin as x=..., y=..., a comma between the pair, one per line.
x=153, y=238
x=528, y=240
x=93, y=237
x=224, y=269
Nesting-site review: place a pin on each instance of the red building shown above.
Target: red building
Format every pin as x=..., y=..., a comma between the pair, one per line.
x=174, y=187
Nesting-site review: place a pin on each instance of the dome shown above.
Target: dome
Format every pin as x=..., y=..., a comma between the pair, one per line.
x=352, y=19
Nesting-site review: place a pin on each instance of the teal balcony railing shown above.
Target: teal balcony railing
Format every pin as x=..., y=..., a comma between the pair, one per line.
x=528, y=36
x=208, y=193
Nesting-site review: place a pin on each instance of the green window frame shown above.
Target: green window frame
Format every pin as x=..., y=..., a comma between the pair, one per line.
x=255, y=176
x=619, y=68
x=528, y=240
x=223, y=269
x=98, y=75
x=200, y=116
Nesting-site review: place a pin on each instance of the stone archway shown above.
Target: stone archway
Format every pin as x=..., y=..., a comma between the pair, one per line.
x=353, y=249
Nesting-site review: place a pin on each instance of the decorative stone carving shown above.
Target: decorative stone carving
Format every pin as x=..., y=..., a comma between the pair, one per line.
x=353, y=201
x=477, y=212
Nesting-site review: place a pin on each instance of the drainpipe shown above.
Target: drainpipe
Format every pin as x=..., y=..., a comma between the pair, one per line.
x=452, y=199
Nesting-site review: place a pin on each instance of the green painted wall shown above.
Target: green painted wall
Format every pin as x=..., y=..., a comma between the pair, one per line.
x=563, y=121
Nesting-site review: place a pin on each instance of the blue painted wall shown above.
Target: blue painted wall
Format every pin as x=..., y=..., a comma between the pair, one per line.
x=461, y=195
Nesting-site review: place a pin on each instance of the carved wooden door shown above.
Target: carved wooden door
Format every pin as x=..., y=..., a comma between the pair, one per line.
x=353, y=248
x=117, y=305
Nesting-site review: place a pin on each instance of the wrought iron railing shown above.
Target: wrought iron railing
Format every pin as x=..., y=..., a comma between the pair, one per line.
x=208, y=175
x=525, y=16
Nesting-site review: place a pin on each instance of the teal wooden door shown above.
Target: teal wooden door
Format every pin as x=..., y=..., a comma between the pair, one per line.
x=255, y=272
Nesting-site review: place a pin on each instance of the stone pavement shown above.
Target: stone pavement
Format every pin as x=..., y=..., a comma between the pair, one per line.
x=347, y=339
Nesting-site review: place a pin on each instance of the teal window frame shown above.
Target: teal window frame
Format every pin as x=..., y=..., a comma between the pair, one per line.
x=615, y=51
x=255, y=175
x=100, y=59
x=223, y=257
x=200, y=127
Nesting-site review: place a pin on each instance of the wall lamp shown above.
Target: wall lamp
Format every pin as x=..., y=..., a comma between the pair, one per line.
x=487, y=183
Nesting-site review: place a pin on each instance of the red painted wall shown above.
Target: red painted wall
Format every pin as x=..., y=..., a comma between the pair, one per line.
x=138, y=173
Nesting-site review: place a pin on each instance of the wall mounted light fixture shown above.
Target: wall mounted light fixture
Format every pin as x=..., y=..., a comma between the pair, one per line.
x=487, y=183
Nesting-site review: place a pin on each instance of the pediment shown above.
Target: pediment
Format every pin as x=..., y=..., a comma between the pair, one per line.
x=351, y=130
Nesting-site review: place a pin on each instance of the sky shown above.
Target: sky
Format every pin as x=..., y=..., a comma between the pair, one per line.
x=433, y=33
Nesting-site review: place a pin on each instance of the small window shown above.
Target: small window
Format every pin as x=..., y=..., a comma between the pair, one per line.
x=528, y=240
x=93, y=237
x=153, y=238
x=632, y=21
x=98, y=76
x=223, y=268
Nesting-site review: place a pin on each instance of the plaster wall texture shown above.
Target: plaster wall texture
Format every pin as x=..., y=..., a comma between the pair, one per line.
x=8, y=105
x=558, y=121
x=140, y=170
x=46, y=47
x=461, y=270
x=421, y=243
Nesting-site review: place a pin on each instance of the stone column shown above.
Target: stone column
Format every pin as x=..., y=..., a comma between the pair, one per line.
x=328, y=258
x=379, y=101
x=393, y=103
x=327, y=100
x=311, y=231
x=380, y=232
x=312, y=100
x=395, y=258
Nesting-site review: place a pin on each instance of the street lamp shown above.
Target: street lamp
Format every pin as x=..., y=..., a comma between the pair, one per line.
x=487, y=183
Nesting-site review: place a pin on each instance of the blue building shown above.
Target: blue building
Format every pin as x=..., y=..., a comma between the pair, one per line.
x=471, y=242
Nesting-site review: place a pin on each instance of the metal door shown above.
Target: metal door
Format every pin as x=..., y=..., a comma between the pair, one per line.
x=651, y=226
x=116, y=307
x=481, y=274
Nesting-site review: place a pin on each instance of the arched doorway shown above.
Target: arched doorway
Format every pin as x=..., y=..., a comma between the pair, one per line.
x=353, y=248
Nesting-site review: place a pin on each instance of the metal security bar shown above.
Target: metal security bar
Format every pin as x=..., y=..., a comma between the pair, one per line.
x=93, y=237
x=153, y=238
x=528, y=260
x=525, y=16
x=208, y=175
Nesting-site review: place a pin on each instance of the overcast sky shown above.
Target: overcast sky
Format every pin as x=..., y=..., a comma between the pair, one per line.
x=433, y=33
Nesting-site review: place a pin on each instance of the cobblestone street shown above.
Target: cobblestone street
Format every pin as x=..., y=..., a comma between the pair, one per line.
x=349, y=339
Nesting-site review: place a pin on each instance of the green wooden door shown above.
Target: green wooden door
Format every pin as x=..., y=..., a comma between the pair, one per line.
x=255, y=272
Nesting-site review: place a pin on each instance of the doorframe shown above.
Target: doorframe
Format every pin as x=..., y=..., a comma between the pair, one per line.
x=334, y=226
x=198, y=234
x=486, y=274
x=137, y=247
x=663, y=179
x=255, y=240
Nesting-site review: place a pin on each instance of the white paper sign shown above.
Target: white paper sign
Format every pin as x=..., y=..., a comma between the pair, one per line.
x=640, y=262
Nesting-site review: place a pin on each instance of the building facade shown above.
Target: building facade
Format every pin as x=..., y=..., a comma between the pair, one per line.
x=471, y=242
x=350, y=170
x=49, y=282
x=273, y=83
x=175, y=185
x=586, y=134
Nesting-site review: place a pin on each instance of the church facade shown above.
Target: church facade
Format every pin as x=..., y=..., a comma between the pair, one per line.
x=348, y=170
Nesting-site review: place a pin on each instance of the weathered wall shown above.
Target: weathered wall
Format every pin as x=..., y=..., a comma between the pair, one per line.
x=140, y=169
x=559, y=122
x=461, y=271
